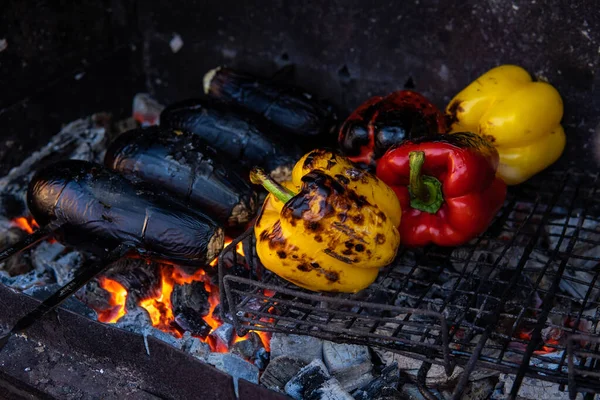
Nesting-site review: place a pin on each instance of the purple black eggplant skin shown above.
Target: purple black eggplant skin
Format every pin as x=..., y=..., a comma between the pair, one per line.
x=99, y=208
x=234, y=133
x=287, y=107
x=183, y=164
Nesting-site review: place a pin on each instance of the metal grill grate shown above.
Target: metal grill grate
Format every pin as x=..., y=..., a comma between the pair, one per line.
x=523, y=298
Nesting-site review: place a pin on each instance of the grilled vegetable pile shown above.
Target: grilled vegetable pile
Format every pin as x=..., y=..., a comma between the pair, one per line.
x=404, y=174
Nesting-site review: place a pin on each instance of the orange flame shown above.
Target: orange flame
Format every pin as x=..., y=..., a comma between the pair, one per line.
x=23, y=223
x=118, y=297
x=160, y=308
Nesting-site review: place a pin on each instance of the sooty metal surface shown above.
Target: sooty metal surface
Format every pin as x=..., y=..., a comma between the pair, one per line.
x=522, y=298
x=68, y=356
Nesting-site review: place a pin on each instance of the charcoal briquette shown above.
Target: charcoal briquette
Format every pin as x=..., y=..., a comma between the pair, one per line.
x=190, y=321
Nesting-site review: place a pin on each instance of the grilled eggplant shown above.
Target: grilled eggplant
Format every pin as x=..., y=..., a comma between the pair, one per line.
x=234, y=133
x=97, y=208
x=287, y=107
x=183, y=164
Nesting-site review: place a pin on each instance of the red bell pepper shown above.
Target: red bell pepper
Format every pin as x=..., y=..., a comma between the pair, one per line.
x=446, y=185
x=381, y=122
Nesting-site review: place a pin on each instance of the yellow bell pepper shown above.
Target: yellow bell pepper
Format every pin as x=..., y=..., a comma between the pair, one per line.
x=331, y=228
x=520, y=117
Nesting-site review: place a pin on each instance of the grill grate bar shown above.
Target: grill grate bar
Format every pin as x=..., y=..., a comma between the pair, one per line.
x=510, y=300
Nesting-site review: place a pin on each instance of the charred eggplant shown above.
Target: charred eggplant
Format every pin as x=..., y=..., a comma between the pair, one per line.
x=287, y=107
x=183, y=164
x=96, y=206
x=235, y=134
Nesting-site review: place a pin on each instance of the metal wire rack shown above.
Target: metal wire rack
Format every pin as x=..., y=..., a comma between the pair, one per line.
x=522, y=298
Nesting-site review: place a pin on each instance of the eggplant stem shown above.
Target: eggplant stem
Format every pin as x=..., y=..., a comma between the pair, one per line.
x=259, y=177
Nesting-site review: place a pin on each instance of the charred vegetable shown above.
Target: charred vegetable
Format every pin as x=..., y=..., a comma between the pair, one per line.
x=287, y=107
x=235, y=134
x=447, y=187
x=93, y=207
x=322, y=231
x=381, y=122
x=182, y=163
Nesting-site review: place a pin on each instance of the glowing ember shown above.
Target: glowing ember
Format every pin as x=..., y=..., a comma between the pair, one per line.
x=23, y=223
x=118, y=297
x=526, y=335
x=160, y=308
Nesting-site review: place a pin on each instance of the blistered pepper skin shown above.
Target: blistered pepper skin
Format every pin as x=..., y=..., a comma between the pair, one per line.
x=351, y=177
x=381, y=122
x=520, y=117
x=328, y=237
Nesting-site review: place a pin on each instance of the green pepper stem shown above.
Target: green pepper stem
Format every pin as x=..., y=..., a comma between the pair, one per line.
x=426, y=191
x=259, y=177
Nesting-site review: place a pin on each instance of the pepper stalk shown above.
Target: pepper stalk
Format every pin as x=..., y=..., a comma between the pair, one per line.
x=258, y=176
x=426, y=191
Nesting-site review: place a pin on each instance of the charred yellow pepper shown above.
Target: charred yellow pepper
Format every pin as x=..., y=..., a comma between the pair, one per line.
x=520, y=117
x=331, y=228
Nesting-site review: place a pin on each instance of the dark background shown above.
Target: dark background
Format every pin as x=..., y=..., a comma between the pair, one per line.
x=344, y=51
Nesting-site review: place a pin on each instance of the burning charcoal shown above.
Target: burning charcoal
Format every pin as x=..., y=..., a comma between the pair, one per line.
x=136, y=320
x=45, y=252
x=191, y=296
x=389, y=379
x=163, y=336
x=350, y=364
x=65, y=267
x=332, y=390
x=355, y=377
x=570, y=284
x=140, y=278
x=261, y=358
x=94, y=296
x=586, y=245
x=306, y=348
x=279, y=371
x=339, y=357
x=190, y=321
x=249, y=347
x=483, y=259
x=146, y=110
x=306, y=383
x=234, y=366
x=195, y=346
x=410, y=366
x=224, y=334
x=19, y=263
x=21, y=282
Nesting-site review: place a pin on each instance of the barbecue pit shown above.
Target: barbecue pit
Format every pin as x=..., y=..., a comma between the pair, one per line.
x=520, y=302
